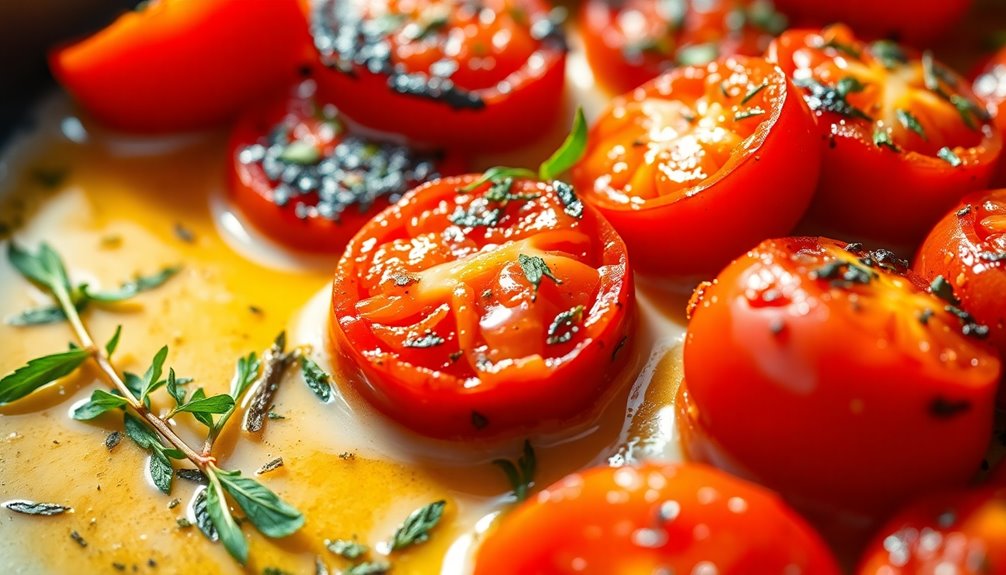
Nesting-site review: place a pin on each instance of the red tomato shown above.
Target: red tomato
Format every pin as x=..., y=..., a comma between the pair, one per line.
x=305, y=180
x=910, y=20
x=967, y=248
x=831, y=374
x=990, y=87
x=628, y=42
x=484, y=311
x=690, y=158
x=184, y=65
x=656, y=518
x=903, y=136
x=451, y=72
x=962, y=533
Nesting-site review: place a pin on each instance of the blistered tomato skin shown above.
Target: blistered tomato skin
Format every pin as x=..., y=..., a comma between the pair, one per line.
x=959, y=532
x=307, y=181
x=698, y=151
x=629, y=42
x=655, y=518
x=832, y=375
x=484, y=311
x=178, y=65
x=967, y=248
x=486, y=75
x=903, y=137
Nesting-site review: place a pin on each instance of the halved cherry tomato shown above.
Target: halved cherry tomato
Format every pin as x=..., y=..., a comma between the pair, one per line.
x=967, y=248
x=484, y=74
x=656, y=518
x=628, y=42
x=306, y=180
x=909, y=20
x=990, y=87
x=484, y=308
x=903, y=136
x=182, y=64
x=701, y=164
x=831, y=374
x=963, y=533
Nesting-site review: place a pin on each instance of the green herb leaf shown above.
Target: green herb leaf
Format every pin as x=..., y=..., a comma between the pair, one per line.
x=272, y=516
x=751, y=93
x=32, y=508
x=174, y=389
x=569, y=153
x=44, y=268
x=101, y=402
x=215, y=404
x=828, y=99
x=132, y=288
x=141, y=434
x=152, y=377
x=300, y=152
x=369, y=568
x=948, y=156
x=849, y=85
x=535, y=268
x=416, y=528
x=564, y=325
x=749, y=113
x=882, y=138
x=910, y=122
x=521, y=475
x=245, y=374
x=202, y=417
x=39, y=372
x=346, y=548
x=226, y=528
x=942, y=289
x=113, y=343
x=200, y=509
x=37, y=316
x=890, y=54
x=319, y=382
x=161, y=470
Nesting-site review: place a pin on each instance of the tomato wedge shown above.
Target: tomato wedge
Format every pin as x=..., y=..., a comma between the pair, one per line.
x=184, y=65
x=628, y=42
x=655, y=518
x=830, y=373
x=306, y=180
x=967, y=251
x=962, y=533
x=475, y=307
x=480, y=74
x=903, y=136
x=700, y=164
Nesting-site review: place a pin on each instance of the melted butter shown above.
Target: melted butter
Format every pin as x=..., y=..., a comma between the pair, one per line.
x=347, y=468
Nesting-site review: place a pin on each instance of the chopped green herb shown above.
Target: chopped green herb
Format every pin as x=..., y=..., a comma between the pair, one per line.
x=319, y=382
x=26, y=507
x=828, y=99
x=752, y=92
x=300, y=152
x=349, y=549
x=882, y=138
x=565, y=325
x=426, y=340
x=948, y=156
x=890, y=54
x=942, y=289
x=77, y=538
x=475, y=216
x=910, y=122
x=369, y=568
x=535, y=268
x=270, y=466
x=849, y=85
x=416, y=528
x=749, y=113
x=846, y=49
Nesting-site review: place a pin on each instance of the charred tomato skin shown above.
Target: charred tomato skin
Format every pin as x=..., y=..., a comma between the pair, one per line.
x=683, y=518
x=967, y=248
x=841, y=385
x=497, y=113
x=879, y=179
x=443, y=390
x=668, y=226
x=963, y=532
x=177, y=65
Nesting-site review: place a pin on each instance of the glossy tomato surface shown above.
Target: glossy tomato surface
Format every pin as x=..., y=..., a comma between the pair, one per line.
x=990, y=87
x=911, y=20
x=628, y=42
x=484, y=308
x=656, y=518
x=303, y=178
x=831, y=374
x=482, y=74
x=962, y=533
x=177, y=65
x=903, y=136
x=967, y=248
x=701, y=164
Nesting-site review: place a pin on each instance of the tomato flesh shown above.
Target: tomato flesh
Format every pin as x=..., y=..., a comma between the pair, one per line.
x=655, y=518
x=698, y=150
x=436, y=304
x=868, y=389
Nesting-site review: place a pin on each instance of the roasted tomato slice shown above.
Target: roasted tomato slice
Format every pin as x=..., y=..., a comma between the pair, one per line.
x=183, y=65
x=966, y=253
x=990, y=87
x=962, y=533
x=905, y=19
x=903, y=136
x=656, y=518
x=699, y=165
x=483, y=310
x=303, y=178
x=628, y=42
x=831, y=374
x=452, y=72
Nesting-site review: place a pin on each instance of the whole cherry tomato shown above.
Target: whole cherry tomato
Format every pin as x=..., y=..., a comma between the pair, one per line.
x=479, y=74
x=910, y=20
x=832, y=374
x=655, y=518
x=962, y=533
x=699, y=165
x=308, y=181
x=483, y=305
x=628, y=42
x=178, y=65
x=903, y=136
